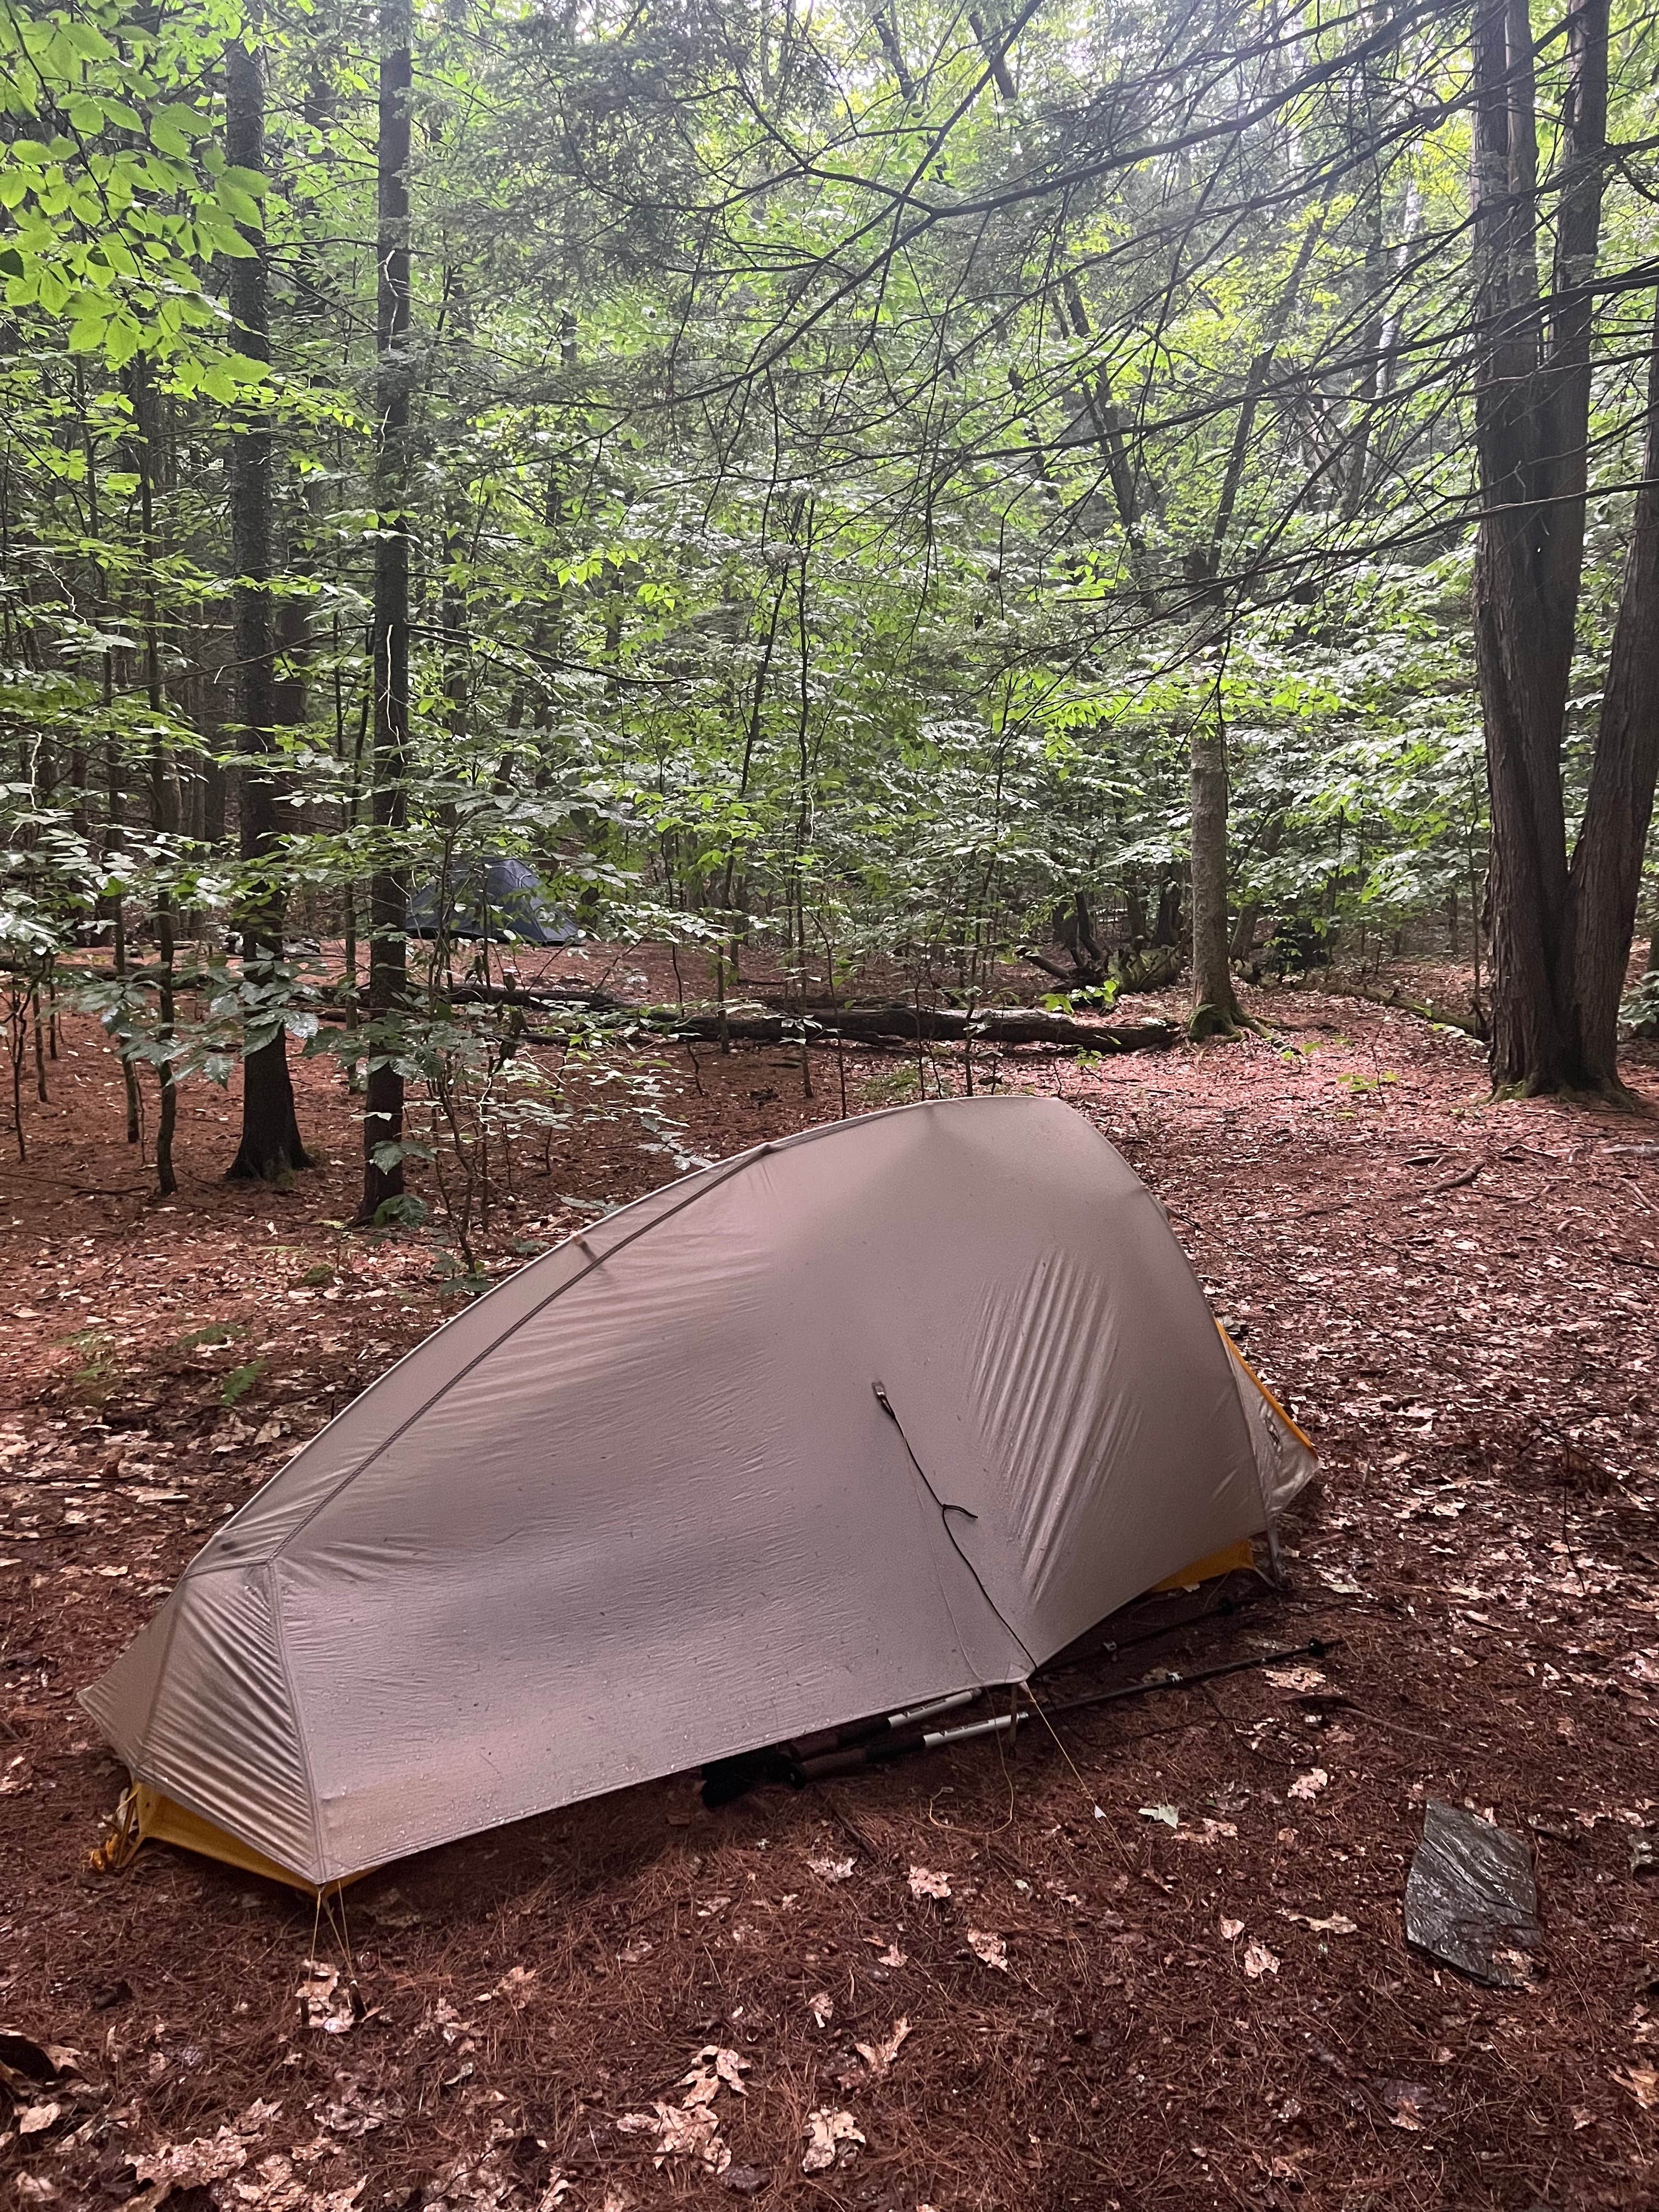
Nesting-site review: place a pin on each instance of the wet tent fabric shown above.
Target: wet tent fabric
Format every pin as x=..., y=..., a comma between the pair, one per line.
x=646, y=1505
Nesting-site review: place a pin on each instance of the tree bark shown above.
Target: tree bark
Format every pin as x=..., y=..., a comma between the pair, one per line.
x=1606, y=863
x=1215, y=1006
x=1108, y=420
x=383, y=1118
x=1532, y=413
x=146, y=452
x=271, y=1148
x=1256, y=380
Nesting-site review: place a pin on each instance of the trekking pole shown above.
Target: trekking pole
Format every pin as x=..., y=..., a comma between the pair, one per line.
x=849, y=1759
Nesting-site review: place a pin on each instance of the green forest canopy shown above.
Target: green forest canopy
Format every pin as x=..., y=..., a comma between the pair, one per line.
x=868, y=478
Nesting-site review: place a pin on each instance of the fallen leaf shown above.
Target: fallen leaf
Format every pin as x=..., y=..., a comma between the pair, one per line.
x=1231, y=1929
x=706, y=2079
x=681, y=2131
x=637, y=1948
x=828, y=2134
x=833, y=1869
x=822, y=2007
x=1310, y=1783
x=23, y=2060
x=350, y=2114
x=325, y=2002
x=1259, y=1960
x=925, y=1883
x=1643, y=2082
x=1405, y=2101
x=36, y=2119
x=1166, y=1813
x=988, y=1947
x=193, y=2164
x=1338, y=1924
x=879, y=2056
x=892, y=1956
x=1303, y=1680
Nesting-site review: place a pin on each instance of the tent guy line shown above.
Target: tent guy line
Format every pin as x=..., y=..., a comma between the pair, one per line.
x=944, y=1511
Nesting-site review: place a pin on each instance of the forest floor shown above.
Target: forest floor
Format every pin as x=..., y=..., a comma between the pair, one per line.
x=1454, y=1297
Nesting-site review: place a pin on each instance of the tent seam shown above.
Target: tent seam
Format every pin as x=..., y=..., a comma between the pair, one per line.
x=733, y=1168
x=273, y=1597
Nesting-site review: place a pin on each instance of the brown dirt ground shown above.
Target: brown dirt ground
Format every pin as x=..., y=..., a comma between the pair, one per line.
x=1454, y=1296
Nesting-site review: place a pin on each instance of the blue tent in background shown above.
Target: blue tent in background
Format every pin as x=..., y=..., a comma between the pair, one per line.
x=501, y=901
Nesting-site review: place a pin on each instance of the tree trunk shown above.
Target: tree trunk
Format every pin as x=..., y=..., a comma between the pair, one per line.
x=1215, y=1008
x=1108, y=421
x=146, y=453
x=1532, y=412
x=1208, y=566
x=115, y=815
x=383, y=1119
x=1606, y=863
x=270, y=1146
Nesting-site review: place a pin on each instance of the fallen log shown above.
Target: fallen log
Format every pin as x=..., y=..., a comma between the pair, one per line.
x=536, y=994
x=1338, y=986
x=901, y=1025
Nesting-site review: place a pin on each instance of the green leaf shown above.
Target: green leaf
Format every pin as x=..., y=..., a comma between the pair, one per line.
x=240, y=1380
x=240, y=206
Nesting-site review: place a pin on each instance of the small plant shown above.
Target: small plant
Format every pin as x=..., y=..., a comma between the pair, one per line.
x=1090, y=997
x=315, y=1279
x=98, y=1371
x=240, y=1380
x=404, y=1211
x=216, y=1332
x=1365, y=1086
x=893, y=1086
x=1638, y=1011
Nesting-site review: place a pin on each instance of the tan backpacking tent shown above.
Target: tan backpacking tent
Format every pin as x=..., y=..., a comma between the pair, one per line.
x=895, y=1407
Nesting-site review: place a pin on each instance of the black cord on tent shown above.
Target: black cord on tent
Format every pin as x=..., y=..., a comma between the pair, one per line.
x=944, y=1513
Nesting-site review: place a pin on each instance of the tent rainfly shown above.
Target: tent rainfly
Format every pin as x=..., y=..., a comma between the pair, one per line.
x=895, y=1407
x=501, y=900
